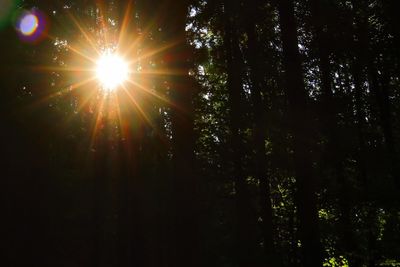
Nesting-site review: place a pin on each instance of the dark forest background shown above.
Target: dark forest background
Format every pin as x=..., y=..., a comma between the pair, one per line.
x=268, y=136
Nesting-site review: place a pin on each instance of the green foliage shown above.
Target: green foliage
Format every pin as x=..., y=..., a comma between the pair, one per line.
x=339, y=261
x=392, y=263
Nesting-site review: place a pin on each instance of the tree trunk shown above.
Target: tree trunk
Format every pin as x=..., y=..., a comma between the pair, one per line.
x=299, y=118
x=101, y=182
x=246, y=242
x=259, y=135
x=394, y=22
x=185, y=181
x=379, y=87
x=334, y=150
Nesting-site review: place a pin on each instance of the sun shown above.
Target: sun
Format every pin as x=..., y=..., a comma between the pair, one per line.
x=111, y=71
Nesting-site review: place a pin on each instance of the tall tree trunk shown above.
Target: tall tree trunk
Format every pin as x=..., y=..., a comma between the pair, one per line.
x=299, y=118
x=328, y=111
x=101, y=182
x=129, y=246
x=394, y=22
x=185, y=180
x=379, y=87
x=357, y=72
x=259, y=134
x=244, y=212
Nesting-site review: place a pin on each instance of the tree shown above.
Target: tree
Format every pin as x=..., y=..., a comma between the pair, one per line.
x=299, y=118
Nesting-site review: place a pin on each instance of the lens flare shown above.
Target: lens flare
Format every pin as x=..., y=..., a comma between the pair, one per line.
x=29, y=24
x=111, y=71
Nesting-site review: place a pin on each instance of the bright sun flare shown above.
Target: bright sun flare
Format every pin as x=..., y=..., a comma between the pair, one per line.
x=112, y=71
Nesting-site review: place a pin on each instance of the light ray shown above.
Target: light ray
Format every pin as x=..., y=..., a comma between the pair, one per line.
x=119, y=117
x=62, y=91
x=84, y=33
x=154, y=52
x=143, y=88
x=85, y=100
x=164, y=72
x=100, y=114
x=139, y=108
x=62, y=69
x=127, y=18
x=74, y=49
x=100, y=5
